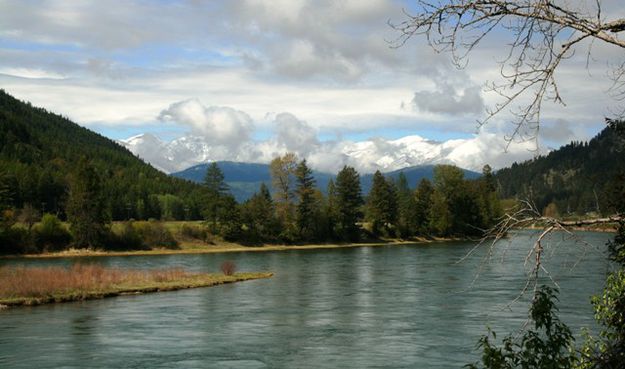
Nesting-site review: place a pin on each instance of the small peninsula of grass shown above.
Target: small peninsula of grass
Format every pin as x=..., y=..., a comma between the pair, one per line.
x=43, y=285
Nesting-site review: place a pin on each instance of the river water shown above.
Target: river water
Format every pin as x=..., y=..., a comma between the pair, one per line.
x=410, y=306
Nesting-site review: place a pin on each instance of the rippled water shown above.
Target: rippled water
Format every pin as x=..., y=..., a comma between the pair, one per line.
x=408, y=306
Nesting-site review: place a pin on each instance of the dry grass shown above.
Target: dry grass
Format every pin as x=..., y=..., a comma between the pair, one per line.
x=39, y=285
x=228, y=267
x=40, y=282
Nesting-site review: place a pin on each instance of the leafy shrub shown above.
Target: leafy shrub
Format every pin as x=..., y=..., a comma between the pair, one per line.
x=228, y=267
x=548, y=345
x=154, y=234
x=195, y=232
x=51, y=235
x=127, y=239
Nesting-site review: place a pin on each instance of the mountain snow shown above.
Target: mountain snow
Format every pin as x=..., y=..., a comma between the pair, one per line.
x=366, y=156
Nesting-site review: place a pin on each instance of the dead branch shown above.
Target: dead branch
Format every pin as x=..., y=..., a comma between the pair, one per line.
x=544, y=33
x=525, y=216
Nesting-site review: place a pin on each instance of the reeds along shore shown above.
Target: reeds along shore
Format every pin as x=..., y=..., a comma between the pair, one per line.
x=38, y=285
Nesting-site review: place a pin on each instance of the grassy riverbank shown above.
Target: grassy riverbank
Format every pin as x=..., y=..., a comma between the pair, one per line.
x=35, y=286
x=222, y=247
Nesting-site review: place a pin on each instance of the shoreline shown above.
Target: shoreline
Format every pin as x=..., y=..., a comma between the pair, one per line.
x=197, y=281
x=223, y=248
x=226, y=247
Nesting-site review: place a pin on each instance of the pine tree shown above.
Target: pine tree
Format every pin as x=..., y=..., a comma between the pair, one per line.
x=86, y=207
x=221, y=207
x=423, y=203
x=216, y=193
x=406, y=205
x=490, y=206
x=214, y=180
x=440, y=216
x=381, y=205
x=349, y=202
x=306, y=208
x=258, y=216
x=332, y=210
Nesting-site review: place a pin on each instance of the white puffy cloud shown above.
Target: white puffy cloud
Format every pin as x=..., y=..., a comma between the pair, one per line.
x=294, y=134
x=218, y=125
x=219, y=133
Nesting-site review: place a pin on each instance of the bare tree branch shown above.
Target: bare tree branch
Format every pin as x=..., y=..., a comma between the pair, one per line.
x=545, y=32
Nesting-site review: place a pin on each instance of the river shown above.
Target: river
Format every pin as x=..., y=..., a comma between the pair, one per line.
x=411, y=306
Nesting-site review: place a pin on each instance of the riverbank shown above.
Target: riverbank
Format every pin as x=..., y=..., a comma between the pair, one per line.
x=225, y=247
x=37, y=286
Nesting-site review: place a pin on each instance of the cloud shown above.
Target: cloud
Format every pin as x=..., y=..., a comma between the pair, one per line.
x=30, y=73
x=328, y=62
x=448, y=99
x=219, y=133
x=218, y=125
x=560, y=131
x=294, y=134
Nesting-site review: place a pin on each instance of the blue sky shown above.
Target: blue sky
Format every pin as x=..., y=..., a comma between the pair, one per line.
x=117, y=66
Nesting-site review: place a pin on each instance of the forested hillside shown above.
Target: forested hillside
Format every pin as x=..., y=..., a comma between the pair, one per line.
x=40, y=150
x=577, y=178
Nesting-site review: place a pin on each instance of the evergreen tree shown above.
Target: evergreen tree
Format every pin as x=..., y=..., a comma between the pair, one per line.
x=455, y=203
x=214, y=180
x=332, y=210
x=490, y=206
x=216, y=195
x=306, y=209
x=381, y=205
x=221, y=209
x=423, y=203
x=448, y=182
x=5, y=198
x=349, y=201
x=86, y=207
x=258, y=217
x=440, y=216
x=407, y=206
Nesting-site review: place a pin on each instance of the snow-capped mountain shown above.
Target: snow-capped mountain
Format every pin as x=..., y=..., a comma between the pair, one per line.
x=329, y=156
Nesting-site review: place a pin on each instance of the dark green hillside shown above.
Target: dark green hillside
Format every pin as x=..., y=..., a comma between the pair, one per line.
x=39, y=150
x=576, y=177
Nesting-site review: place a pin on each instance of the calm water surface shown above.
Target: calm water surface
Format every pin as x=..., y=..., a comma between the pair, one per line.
x=408, y=306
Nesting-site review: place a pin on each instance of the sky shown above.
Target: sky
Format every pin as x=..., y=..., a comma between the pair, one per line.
x=293, y=72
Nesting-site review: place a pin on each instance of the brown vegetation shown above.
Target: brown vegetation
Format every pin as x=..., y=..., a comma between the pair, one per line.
x=228, y=267
x=37, y=285
x=39, y=282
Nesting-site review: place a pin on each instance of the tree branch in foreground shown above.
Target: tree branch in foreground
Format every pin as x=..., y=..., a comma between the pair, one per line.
x=544, y=33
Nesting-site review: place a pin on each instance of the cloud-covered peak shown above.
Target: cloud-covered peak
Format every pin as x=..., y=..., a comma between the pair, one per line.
x=220, y=133
x=218, y=125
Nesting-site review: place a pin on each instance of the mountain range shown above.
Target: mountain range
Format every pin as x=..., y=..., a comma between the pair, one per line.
x=330, y=156
x=244, y=179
